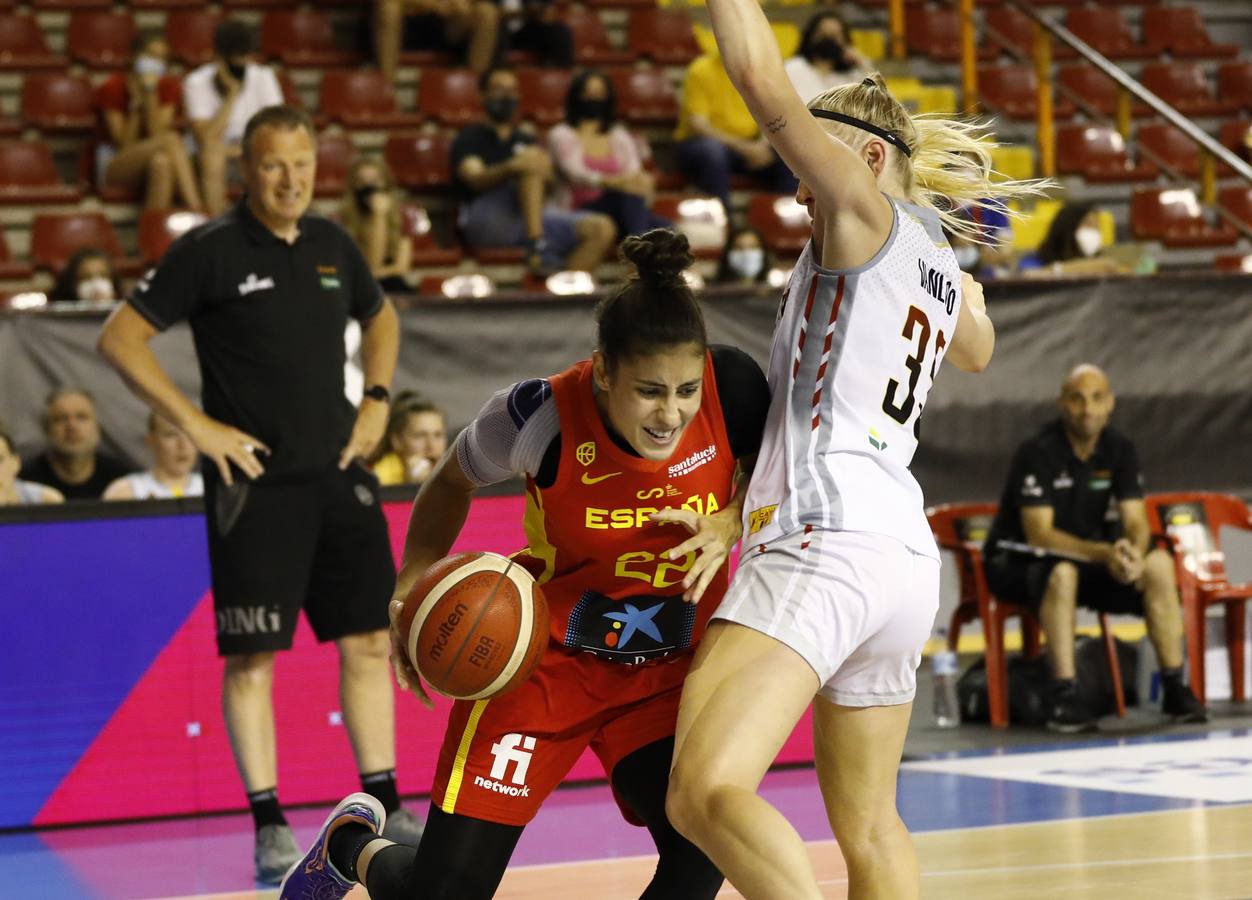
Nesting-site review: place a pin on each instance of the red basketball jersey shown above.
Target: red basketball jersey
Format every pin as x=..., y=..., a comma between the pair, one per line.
x=592, y=545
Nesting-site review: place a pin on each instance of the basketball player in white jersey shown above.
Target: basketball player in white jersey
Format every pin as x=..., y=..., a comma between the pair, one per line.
x=173, y=467
x=839, y=577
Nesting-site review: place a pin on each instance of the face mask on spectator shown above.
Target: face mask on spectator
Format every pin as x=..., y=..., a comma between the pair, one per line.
x=747, y=262
x=830, y=50
x=95, y=289
x=149, y=65
x=592, y=109
x=363, y=196
x=500, y=109
x=966, y=258
x=1089, y=240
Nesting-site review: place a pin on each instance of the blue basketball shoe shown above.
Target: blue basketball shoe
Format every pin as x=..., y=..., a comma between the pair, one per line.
x=314, y=877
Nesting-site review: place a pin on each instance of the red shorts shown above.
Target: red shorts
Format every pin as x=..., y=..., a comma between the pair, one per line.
x=502, y=757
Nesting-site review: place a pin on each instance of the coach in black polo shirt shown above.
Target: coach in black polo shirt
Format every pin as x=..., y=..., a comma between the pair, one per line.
x=1075, y=495
x=293, y=516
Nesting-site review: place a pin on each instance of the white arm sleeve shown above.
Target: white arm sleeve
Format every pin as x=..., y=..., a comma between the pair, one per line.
x=510, y=434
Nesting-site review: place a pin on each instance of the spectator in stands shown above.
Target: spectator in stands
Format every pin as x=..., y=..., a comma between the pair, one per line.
x=717, y=135
x=139, y=144
x=173, y=473
x=88, y=277
x=503, y=177
x=416, y=439
x=536, y=29
x=220, y=97
x=370, y=212
x=826, y=57
x=468, y=28
x=602, y=162
x=1072, y=247
x=72, y=462
x=744, y=259
x=14, y=491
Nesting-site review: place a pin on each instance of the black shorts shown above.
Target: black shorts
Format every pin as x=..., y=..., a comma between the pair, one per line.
x=1017, y=578
x=319, y=545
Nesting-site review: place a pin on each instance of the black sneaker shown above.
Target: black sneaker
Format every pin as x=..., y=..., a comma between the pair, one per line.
x=1181, y=705
x=1069, y=714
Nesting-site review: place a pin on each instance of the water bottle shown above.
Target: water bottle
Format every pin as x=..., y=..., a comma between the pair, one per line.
x=947, y=709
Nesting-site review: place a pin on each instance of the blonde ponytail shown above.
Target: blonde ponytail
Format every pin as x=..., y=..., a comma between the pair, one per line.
x=950, y=164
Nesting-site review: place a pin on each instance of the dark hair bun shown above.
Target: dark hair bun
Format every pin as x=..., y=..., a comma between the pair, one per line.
x=660, y=255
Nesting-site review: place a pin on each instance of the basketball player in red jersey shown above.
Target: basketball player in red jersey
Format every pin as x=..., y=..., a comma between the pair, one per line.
x=624, y=454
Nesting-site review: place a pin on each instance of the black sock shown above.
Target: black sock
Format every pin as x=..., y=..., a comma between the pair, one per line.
x=1171, y=677
x=346, y=845
x=382, y=786
x=265, y=808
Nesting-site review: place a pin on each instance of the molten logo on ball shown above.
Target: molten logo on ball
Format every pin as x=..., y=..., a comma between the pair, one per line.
x=446, y=628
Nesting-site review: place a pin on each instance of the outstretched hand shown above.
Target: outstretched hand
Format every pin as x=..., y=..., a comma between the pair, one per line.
x=712, y=537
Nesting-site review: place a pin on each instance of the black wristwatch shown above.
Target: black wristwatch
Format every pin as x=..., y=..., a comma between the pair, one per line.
x=377, y=392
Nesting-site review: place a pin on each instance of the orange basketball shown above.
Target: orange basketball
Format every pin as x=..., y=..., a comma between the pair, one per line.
x=475, y=626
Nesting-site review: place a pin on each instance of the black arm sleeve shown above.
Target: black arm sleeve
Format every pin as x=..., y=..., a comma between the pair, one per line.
x=744, y=395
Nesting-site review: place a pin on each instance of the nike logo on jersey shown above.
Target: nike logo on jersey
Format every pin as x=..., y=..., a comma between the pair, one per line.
x=587, y=479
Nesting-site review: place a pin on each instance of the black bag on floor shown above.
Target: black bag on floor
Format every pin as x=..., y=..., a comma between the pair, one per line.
x=1028, y=692
x=1095, y=685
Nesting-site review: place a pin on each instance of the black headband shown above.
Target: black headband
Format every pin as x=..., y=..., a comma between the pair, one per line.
x=889, y=136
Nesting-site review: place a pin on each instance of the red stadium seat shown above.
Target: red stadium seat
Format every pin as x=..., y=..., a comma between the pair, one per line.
x=1011, y=30
x=291, y=93
x=591, y=42
x=1234, y=135
x=1011, y=90
x=645, y=96
x=71, y=4
x=1238, y=262
x=1107, y=31
x=1183, y=86
x=1234, y=86
x=1169, y=148
x=22, y=45
x=415, y=223
x=1237, y=202
x=702, y=219
x=420, y=161
x=665, y=36
x=12, y=269
x=543, y=94
x=58, y=102
x=450, y=96
x=158, y=228
x=190, y=35
x=29, y=176
x=362, y=98
x=1174, y=217
x=303, y=38
x=99, y=39
x=259, y=4
x=55, y=238
x=1181, y=31
x=335, y=155
x=784, y=225
x=934, y=32
x=1093, y=90
x=1098, y=153
x=165, y=4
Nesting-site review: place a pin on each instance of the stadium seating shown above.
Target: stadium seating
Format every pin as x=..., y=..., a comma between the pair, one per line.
x=450, y=96
x=1169, y=148
x=543, y=94
x=784, y=225
x=645, y=96
x=1233, y=134
x=1181, y=31
x=158, y=228
x=934, y=32
x=419, y=161
x=1234, y=86
x=1174, y=217
x=1183, y=86
x=54, y=238
x=165, y=4
x=335, y=154
x=701, y=219
x=591, y=42
x=58, y=102
x=28, y=175
x=362, y=98
x=1009, y=30
x=415, y=224
x=1098, y=154
x=71, y=4
x=11, y=269
x=663, y=35
x=22, y=45
x=291, y=93
x=303, y=38
x=1107, y=31
x=189, y=33
x=1236, y=201
x=1011, y=90
x=1236, y=262
x=100, y=39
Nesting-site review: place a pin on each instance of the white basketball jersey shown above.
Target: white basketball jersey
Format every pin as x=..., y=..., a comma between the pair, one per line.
x=145, y=486
x=854, y=355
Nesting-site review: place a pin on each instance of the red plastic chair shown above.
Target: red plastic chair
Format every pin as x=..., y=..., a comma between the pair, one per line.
x=58, y=102
x=420, y=161
x=543, y=94
x=591, y=41
x=1193, y=522
x=1174, y=217
x=12, y=269
x=29, y=176
x=303, y=38
x=1170, y=148
x=1181, y=31
x=450, y=96
x=363, y=98
x=189, y=32
x=1108, y=32
x=158, y=228
x=1233, y=134
x=22, y=45
x=784, y=225
x=1010, y=30
x=1236, y=201
x=1183, y=86
x=1098, y=154
x=962, y=528
x=933, y=31
x=54, y=238
x=665, y=36
x=1237, y=262
x=1234, y=85
x=71, y=4
x=291, y=93
x=99, y=39
x=165, y=4
x=415, y=224
x=335, y=155
x=1012, y=90
x=645, y=96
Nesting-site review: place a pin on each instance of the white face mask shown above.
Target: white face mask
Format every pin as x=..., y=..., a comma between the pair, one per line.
x=1089, y=240
x=966, y=257
x=747, y=262
x=149, y=65
x=95, y=289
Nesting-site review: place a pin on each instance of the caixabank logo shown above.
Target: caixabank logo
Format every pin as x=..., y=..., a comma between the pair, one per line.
x=630, y=630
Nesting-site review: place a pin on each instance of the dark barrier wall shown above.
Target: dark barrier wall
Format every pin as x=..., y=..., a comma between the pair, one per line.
x=1177, y=350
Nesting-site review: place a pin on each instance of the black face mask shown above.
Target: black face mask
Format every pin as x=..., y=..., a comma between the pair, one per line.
x=591, y=109
x=830, y=50
x=236, y=71
x=500, y=109
x=363, y=196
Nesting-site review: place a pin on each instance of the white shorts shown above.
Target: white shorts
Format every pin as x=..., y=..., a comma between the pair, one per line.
x=858, y=607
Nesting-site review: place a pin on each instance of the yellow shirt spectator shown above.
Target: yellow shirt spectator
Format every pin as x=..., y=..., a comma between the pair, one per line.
x=707, y=92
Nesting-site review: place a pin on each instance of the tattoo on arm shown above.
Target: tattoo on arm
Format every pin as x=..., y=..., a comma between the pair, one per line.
x=773, y=126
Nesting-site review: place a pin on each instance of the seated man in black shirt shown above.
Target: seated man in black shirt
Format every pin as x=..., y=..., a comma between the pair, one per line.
x=1072, y=529
x=503, y=176
x=73, y=463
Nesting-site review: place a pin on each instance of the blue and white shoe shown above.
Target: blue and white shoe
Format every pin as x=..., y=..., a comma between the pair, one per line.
x=314, y=877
